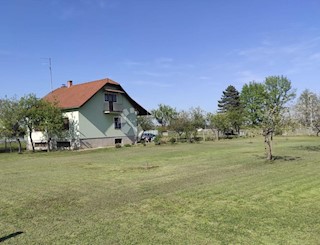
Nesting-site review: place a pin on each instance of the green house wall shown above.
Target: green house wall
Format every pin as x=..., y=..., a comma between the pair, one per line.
x=95, y=123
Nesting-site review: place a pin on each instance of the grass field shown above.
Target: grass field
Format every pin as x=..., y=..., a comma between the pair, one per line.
x=207, y=193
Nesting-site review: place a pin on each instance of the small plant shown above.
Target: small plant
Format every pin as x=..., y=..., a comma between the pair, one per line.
x=118, y=145
x=157, y=140
x=127, y=145
x=210, y=138
x=197, y=139
x=173, y=140
x=163, y=140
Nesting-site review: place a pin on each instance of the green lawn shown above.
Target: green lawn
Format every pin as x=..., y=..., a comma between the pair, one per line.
x=207, y=193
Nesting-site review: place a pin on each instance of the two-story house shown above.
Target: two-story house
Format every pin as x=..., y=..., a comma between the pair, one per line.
x=97, y=114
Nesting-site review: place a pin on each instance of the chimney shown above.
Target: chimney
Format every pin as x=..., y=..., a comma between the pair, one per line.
x=69, y=83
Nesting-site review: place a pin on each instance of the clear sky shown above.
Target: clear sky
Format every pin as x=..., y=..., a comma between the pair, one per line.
x=183, y=53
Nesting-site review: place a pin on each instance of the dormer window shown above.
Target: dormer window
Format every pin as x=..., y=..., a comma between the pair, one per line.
x=110, y=97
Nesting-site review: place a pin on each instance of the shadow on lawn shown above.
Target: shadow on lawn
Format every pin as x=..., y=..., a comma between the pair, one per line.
x=286, y=158
x=281, y=158
x=308, y=148
x=12, y=235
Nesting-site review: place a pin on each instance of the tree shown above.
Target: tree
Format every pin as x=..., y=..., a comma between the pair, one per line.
x=219, y=122
x=235, y=118
x=230, y=105
x=145, y=122
x=164, y=114
x=278, y=93
x=188, y=122
x=182, y=124
x=41, y=115
x=307, y=108
x=252, y=97
x=10, y=120
x=198, y=118
x=50, y=120
x=316, y=124
x=28, y=112
x=230, y=100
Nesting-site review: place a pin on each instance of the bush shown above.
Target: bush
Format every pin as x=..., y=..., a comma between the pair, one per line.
x=181, y=139
x=157, y=140
x=12, y=146
x=118, y=145
x=173, y=140
x=210, y=138
x=197, y=139
x=127, y=145
x=164, y=140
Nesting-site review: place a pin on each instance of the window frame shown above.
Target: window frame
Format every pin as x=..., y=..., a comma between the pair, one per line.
x=66, y=124
x=112, y=96
x=117, y=125
x=118, y=141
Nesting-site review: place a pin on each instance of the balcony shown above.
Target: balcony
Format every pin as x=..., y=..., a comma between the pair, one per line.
x=110, y=107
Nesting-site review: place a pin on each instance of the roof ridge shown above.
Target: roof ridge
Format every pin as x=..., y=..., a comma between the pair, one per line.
x=106, y=80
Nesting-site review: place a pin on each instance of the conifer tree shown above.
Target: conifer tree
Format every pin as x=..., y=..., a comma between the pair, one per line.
x=230, y=100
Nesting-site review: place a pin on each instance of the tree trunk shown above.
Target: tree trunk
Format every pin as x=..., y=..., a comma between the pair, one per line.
x=48, y=140
x=20, y=148
x=30, y=136
x=268, y=145
x=5, y=145
x=48, y=145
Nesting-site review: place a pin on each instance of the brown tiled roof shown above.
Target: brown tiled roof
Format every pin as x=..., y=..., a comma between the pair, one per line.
x=77, y=95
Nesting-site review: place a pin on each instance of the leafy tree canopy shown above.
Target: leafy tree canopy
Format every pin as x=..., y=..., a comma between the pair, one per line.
x=253, y=97
x=164, y=114
x=145, y=122
x=10, y=120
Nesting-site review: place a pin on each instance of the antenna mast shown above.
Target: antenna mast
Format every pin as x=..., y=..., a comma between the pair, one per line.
x=50, y=74
x=50, y=69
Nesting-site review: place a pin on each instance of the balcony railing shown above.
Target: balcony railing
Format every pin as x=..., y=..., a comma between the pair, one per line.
x=112, y=108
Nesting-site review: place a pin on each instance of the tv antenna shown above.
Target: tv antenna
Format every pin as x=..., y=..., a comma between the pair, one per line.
x=50, y=69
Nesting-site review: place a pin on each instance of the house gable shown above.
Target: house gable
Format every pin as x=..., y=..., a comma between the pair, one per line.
x=95, y=121
x=75, y=96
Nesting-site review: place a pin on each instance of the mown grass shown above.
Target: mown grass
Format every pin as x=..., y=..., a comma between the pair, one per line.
x=207, y=193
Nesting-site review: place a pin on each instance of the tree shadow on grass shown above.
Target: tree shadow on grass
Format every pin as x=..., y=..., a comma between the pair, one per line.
x=12, y=235
x=286, y=158
x=308, y=147
x=280, y=158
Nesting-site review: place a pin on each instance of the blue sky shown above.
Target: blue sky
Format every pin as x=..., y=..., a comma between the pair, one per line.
x=183, y=53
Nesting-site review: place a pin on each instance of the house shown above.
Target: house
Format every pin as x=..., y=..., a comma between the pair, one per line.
x=96, y=114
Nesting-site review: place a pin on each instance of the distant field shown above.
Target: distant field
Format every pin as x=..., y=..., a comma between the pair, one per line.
x=204, y=193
